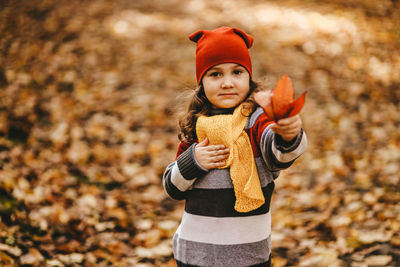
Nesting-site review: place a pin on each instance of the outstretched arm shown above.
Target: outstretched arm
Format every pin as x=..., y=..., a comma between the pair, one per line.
x=280, y=142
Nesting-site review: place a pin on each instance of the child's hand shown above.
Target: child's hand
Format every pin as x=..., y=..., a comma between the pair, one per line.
x=210, y=156
x=288, y=128
x=263, y=98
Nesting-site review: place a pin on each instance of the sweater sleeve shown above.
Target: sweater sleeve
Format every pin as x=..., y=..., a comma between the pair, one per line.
x=277, y=153
x=182, y=173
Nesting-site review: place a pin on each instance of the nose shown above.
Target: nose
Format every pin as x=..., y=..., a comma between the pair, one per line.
x=227, y=83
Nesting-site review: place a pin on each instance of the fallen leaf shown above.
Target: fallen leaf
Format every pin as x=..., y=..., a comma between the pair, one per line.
x=70, y=247
x=148, y=238
x=6, y=259
x=278, y=261
x=72, y=258
x=54, y=262
x=33, y=257
x=168, y=227
x=163, y=249
x=368, y=237
x=378, y=260
x=119, y=248
x=395, y=240
x=16, y=251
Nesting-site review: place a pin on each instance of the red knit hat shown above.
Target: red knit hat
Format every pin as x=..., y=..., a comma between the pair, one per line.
x=222, y=45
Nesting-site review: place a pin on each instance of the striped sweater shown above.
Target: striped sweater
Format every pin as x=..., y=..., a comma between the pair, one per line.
x=211, y=232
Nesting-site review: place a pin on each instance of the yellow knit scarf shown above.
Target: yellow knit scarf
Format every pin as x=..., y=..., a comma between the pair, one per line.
x=229, y=131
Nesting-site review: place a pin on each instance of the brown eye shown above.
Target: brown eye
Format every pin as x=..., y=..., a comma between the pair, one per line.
x=215, y=74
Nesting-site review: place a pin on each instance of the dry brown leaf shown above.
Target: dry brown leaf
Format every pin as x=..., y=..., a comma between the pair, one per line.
x=16, y=251
x=378, y=260
x=278, y=261
x=33, y=257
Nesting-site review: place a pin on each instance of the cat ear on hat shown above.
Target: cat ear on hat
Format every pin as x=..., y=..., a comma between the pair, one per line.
x=248, y=39
x=196, y=36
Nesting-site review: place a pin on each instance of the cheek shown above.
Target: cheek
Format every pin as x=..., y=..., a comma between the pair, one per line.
x=245, y=85
x=209, y=88
x=245, y=89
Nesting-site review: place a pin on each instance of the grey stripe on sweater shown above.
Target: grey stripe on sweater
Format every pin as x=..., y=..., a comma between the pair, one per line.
x=220, y=178
x=203, y=254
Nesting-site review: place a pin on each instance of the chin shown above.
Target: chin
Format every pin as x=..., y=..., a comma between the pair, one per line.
x=229, y=105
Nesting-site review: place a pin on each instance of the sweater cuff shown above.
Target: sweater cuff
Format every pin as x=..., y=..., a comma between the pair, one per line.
x=288, y=146
x=188, y=166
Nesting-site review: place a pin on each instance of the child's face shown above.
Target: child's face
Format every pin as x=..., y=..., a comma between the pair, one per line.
x=226, y=85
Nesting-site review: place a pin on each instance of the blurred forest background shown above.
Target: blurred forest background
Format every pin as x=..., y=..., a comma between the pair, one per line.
x=88, y=100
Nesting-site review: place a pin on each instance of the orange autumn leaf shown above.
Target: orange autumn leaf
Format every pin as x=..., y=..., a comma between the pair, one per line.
x=282, y=103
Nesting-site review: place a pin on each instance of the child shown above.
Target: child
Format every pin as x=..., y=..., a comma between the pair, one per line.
x=229, y=155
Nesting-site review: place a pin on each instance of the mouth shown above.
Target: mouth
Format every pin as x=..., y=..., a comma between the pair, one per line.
x=228, y=94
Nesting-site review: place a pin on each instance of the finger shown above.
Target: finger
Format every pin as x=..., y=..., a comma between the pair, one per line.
x=263, y=98
x=217, y=164
x=277, y=131
x=216, y=153
x=274, y=127
x=284, y=133
x=213, y=165
x=206, y=141
x=203, y=143
x=287, y=121
x=289, y=137
x=291, y=134
x=221, y=152
x=220, y=158
x=288, y=128
x=290, y=121
x=223, y=156
x=216, y=147
x=293, y=131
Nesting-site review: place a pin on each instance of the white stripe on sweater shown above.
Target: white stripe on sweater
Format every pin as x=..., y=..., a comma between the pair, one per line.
x=289, y=156
x=225, y=230
x=177, y=179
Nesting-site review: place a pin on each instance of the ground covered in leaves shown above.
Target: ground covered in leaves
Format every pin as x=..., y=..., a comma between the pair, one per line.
x=88, y=97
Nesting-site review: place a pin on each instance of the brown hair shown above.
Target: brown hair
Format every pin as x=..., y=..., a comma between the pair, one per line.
x=198, y=105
